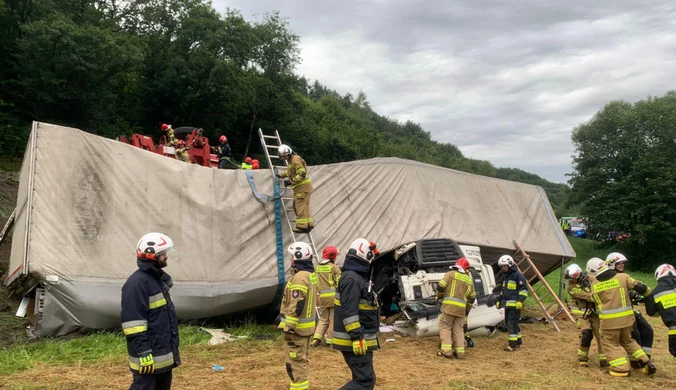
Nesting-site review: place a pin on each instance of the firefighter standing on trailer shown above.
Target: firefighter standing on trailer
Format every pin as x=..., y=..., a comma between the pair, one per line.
x=662, y=301
x=583, y=308
x=148, y=316
x=356, y=321
x=457, y=291
x=223, y=152
x=514, y=292
x=643, y=333
x=246, y=164
x=298, y=314
x=611, y=294
x=170, y=134
x=328, y=275
x=297, y=177
x=182, y=152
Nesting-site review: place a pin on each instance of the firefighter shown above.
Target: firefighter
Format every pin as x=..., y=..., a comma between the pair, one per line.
x=328, y=275
x=582, y=307
x=514, y=292
x=255, y=164
x=662, y=301
x=610, y=291
x=355, y=326
x=246, y=164
x=297, y=314
x=170, y=134
x=457, y=291
x=297, y=177
x=182, y=152
x=223, y=152
x=643, y=332
x=148, y=316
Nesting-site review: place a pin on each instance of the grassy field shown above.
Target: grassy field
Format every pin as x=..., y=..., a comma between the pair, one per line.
x=546, y=361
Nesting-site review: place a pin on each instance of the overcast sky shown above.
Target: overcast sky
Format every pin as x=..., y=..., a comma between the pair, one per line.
x=505, y=81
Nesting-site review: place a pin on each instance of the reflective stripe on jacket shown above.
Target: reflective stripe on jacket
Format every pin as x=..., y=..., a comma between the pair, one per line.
x=298, y=304
x=611, y=294
x=662, y=302
x=355, y=315
x=328, y=275
x=298, y=175
x=458, y=293
x=514, y=288
x=149, y=320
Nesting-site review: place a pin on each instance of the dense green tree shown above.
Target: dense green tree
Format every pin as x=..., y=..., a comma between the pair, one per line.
x=625, y=174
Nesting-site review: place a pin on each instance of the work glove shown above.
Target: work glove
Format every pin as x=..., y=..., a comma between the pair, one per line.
x=498, y=304
x=287, y=182
x=440, y=296
x=279, y=176
x=147, y=364
x=519, y=305
x=359, y=347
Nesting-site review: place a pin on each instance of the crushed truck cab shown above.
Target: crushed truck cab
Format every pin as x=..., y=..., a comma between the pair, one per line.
x=406, y=280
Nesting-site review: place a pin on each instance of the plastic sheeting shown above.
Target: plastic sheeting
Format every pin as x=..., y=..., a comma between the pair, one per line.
x=91, y=198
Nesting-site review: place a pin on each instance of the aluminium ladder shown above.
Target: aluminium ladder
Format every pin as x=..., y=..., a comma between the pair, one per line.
x=537, y=277
x=287, y=201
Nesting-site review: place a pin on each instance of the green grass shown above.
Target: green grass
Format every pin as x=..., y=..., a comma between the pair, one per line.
x=584, y=250
x=10, y=164
x=91, y=348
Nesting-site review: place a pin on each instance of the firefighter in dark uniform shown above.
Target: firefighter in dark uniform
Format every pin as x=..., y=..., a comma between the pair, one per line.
x=297, y=314
x=356, y=318
x=662, y=301
x=148, y=316
x=643, y=332
x=223, y=152
x=514, y=292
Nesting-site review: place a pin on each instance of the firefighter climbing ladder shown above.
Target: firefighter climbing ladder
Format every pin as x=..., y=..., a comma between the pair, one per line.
x=537, y=277
x=287, y=201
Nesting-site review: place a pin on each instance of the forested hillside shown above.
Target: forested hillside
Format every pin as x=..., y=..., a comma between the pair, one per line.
x=116, y=68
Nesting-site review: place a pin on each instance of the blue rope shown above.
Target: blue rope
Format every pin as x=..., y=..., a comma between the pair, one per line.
x=280, y=245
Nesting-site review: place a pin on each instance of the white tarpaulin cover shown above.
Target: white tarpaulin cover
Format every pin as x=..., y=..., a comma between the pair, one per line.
x=86, y=200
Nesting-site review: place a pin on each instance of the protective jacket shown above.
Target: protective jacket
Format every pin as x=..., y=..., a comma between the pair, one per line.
x=582, y=302
x=298, y=311
x=457, y=290
x=514, y=288
x=223, y=151
x=662, y=302
x=611, y=294
x=298, y=175
x=356, y=311
x=328, y=275
x=149, y=319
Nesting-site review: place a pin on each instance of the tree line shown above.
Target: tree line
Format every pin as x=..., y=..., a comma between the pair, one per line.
x=115, y=68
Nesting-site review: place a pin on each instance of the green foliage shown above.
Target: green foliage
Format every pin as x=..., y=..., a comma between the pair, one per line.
x=117, y=68
x=91, y=348
x=625, y=175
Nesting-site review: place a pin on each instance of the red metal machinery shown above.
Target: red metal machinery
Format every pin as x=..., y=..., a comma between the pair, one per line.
x=199, y=152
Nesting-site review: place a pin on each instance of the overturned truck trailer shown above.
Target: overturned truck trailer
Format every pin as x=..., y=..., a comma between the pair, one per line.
x=78, y=220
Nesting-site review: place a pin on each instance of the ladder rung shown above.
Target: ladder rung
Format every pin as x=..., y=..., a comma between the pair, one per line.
x=270, y=136
x=549, y=307
x=543, y=297
x=287, y=198
x=539, y=287
x=274, y=156
x=525, y=270
x=280, y=166
x=272, y=146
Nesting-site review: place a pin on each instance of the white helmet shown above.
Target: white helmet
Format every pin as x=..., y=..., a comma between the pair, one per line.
x=284, y=150
x=595, y=266
x=152, y=244
x=506, y=260
x=573, y=272
x=300, y=251
x=664, y=270
x=361, y=249
x=615, y=258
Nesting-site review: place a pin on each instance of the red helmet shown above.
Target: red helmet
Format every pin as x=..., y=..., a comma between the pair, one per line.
x=165, y=126
x=181, y=142
x=248, y=160
x=330, y=252
x=462, y=263
x=255, y=165
x=254, y=161
x=223, y=139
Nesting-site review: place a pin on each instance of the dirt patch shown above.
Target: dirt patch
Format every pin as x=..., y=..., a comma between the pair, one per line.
x=546, y=361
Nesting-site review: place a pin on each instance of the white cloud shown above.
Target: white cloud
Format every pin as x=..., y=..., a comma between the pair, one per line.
x=505, y=81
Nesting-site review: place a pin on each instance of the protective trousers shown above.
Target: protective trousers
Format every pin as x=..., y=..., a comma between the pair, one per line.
x=325, y=325
x=452, y=335
x=672, y=343
x=152, y=382
x=296, y=360
x=363, y=375
x=589, y=330
x=617, y=343
x=512, y=317
x=643, y=334
x=301, y=204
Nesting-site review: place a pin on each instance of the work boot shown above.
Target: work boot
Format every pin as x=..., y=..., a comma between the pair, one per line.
x=300, y=230
x=509, y=349
x=458, y=355
x=583, y=364
x=315, y=343
x=651, y=367
x=441, y=354
x=635, y=364
x=619, y=374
